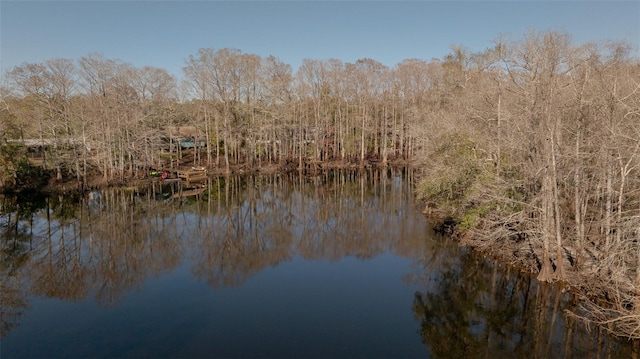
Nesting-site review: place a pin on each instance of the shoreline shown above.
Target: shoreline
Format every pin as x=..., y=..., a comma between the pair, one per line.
x=585, y=281
x=98, y=181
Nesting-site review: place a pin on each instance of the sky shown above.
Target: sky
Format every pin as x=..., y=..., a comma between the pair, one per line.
x=164, y=33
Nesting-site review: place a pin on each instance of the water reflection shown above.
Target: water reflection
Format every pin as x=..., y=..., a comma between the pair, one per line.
x=109, y=243
x=112, y=240
x=277, y=218
x=471, y=306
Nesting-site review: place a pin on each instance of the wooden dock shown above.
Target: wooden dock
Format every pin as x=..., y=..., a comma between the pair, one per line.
x=193, y=174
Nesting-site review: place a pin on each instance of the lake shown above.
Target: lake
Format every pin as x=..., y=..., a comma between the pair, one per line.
x=338, y=265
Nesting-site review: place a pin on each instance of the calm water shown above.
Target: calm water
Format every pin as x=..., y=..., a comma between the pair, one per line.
x=338, y=265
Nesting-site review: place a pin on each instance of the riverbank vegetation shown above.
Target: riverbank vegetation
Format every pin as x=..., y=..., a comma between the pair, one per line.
x=527, y=150
x=536, y=160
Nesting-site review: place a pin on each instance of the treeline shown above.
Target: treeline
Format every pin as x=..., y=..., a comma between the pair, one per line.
x=535, y=158
x=247, y=110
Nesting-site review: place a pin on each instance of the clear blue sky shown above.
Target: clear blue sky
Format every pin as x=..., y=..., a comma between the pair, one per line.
x=165, y=33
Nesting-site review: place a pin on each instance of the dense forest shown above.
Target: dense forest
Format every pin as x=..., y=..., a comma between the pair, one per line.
x=535, y=159
x=246, y=110
x=529, y=149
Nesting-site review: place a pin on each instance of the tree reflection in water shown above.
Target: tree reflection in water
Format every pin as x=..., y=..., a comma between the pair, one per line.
x=109, y=242
x=16, y=219
x=112, y=240
x=245, y=224
x=475, y=307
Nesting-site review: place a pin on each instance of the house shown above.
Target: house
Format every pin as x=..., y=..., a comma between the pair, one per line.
x=185, y=136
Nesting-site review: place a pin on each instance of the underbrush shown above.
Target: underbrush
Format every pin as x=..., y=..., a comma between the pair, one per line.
x=500, y=214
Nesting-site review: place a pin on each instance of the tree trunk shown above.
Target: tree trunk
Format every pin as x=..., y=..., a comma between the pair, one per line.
x=546, y=271
x=559, y=274
x=362, y=138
